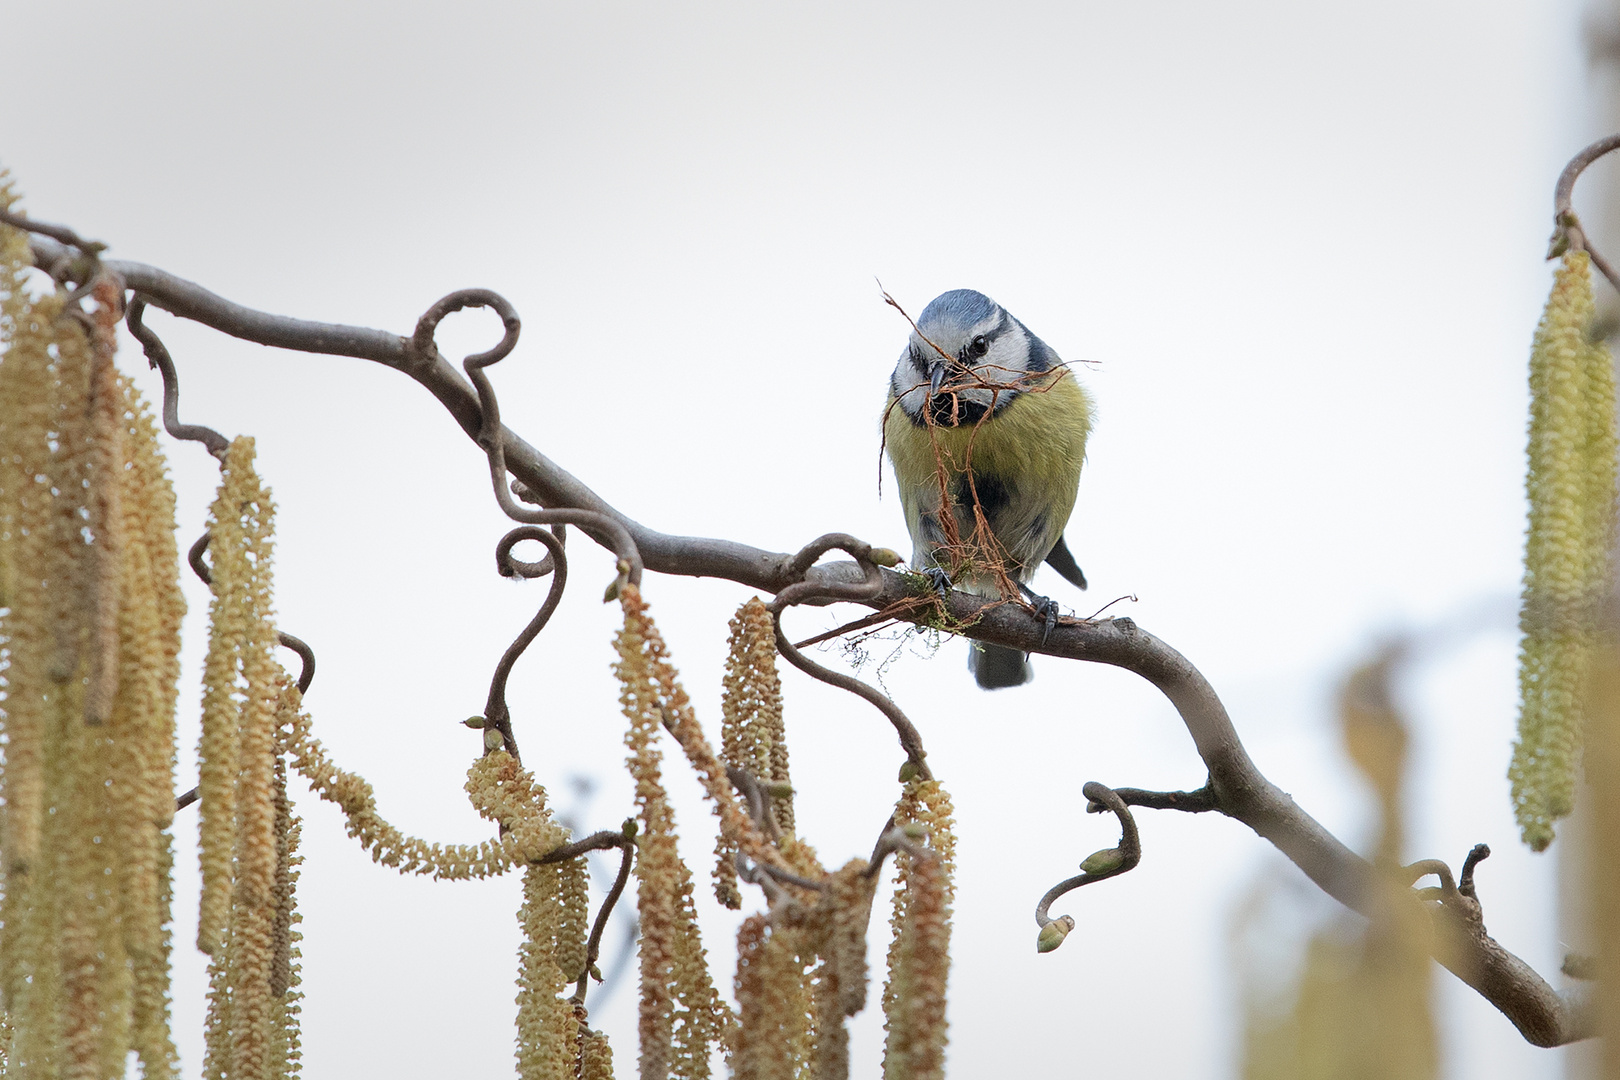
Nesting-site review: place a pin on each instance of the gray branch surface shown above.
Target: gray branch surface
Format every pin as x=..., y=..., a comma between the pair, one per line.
x=1239, y=790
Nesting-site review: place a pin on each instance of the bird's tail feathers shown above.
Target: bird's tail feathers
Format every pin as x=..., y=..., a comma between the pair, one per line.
x=996, y=666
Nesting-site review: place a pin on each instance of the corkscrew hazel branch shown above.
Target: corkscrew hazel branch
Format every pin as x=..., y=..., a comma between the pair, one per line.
x=1237, y=787
x=1098, y=866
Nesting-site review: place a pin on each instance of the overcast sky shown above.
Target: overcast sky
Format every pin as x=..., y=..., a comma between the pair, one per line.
x=1293, y=250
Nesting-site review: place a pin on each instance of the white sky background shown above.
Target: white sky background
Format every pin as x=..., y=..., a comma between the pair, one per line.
x=1301, y=244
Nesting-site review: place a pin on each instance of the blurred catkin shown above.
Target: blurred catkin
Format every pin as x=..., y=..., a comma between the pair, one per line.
x=1363, y=1008
x=1571, y=486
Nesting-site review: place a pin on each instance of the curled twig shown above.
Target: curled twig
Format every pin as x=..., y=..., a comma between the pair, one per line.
x=1568, y=234
x=509, y=565
x=157, y=355
x=306, y=655
x=1110, y=862
x=496, y=713
x=1465, y=881
x=870, y=585
x=1456, y=896
x=602, y=528
x=1423, y=868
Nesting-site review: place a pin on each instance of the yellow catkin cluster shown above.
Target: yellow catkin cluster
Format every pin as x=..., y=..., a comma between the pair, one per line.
x=252, y=1028
x=919, y=955
x=546, y=1028
x=801, y=971
x=1363, y=1007
x=752, y=733
x=235, y=749
x=681, y=1013
x=286, y=1053
x=840, y=978
x=89, y=586
x=575, y=929
x=554, y=913
x=595, y=1056
x=499, y=789
x=241, y=922
x=773, y=1034
x=1571, y=487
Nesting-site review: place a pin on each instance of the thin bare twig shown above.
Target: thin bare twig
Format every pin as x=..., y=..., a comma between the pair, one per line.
x=1192, y=802
x=496, y=713
x=1110, y=862
x=593, y=947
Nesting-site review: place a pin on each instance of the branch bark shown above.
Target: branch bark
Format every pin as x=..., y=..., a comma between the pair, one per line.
x=1237, y=788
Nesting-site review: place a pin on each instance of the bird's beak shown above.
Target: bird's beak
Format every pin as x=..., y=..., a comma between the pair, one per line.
x=936, y=376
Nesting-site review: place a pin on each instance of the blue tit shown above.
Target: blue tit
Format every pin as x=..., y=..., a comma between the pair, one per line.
x=982, y=408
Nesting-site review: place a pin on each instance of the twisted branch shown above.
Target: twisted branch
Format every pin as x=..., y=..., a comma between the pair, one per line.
x=805, y=591
x=1098, y=866
x=1235, y=787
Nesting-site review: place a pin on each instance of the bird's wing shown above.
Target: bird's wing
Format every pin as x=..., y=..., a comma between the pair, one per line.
x=1063, y=562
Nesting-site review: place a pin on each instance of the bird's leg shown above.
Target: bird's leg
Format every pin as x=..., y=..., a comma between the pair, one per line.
x=1046, y=609
x=941, y=580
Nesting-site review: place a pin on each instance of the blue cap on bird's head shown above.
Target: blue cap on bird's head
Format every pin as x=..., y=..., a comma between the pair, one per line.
x=957, y=308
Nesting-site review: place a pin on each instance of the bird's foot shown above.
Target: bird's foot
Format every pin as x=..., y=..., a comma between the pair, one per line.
x=1046, y=609
x=941, y=580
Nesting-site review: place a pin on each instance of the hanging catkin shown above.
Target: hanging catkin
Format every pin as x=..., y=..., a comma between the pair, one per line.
x=90, y=628
x=681, y=1014
x=1571, y=487
x=919, y=954
x=752, y=734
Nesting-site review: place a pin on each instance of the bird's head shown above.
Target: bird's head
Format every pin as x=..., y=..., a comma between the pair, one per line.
x=967, y=357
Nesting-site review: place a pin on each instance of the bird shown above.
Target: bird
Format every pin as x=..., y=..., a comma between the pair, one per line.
x=982, y=409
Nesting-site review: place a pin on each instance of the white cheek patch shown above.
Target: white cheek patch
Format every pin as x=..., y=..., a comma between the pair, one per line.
x=1007, y=362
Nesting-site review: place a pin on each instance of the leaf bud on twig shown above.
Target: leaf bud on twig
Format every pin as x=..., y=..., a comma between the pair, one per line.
x=1104, y=861
x=1053, y=933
